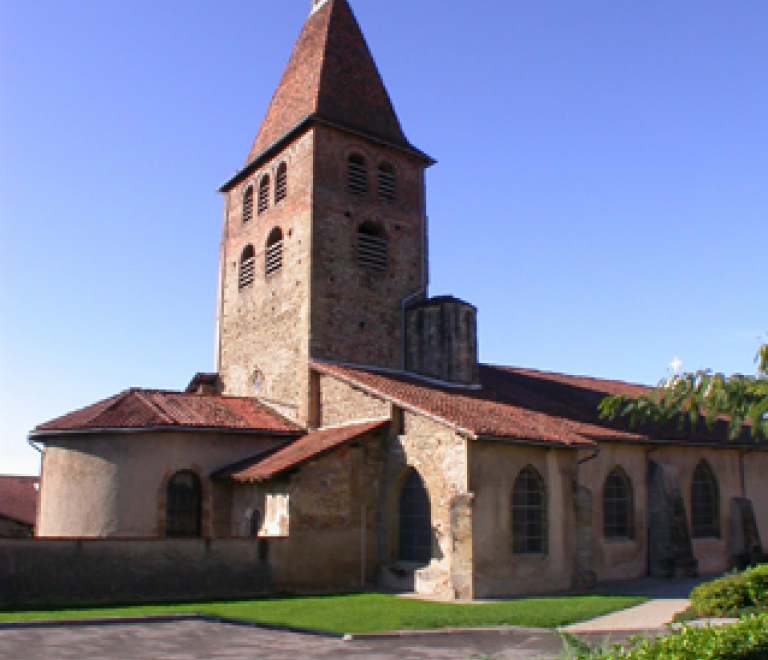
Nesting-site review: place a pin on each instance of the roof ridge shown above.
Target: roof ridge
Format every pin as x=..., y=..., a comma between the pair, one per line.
x=154, y=406
x=547, y=372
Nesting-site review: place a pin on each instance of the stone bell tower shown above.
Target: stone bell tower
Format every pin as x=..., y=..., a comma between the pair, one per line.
x=324, y=233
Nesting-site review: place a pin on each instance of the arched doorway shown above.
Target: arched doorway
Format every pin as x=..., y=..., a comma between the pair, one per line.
x=415, y=521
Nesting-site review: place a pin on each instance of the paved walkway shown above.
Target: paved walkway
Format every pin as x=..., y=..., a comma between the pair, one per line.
x=197, y=639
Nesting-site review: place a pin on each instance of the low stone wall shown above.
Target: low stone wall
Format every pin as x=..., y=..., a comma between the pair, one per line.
x=82, y=571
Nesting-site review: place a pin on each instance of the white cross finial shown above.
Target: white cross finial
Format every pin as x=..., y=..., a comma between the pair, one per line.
x=676, y=364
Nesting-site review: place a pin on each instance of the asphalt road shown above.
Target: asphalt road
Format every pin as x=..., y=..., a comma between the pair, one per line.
x=203, y=640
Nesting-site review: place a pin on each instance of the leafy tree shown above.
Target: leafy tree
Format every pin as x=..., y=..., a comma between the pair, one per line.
x=701, y=395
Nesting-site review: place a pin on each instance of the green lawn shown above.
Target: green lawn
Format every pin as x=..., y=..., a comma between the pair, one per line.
x=358, y=613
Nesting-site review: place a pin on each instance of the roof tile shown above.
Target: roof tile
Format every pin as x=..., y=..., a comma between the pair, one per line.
x=18, y=498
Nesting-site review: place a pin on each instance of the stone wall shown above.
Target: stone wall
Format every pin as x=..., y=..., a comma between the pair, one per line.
x=493, y=468
x=356, y=310
x=339, y=403
x=113, y=484
x=264, y=328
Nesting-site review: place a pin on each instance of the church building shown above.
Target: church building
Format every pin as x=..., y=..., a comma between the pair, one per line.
x=347, y=413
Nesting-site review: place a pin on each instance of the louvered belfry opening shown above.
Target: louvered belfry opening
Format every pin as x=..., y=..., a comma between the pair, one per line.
x=357, y=175
x=281, y=183
x=371, y=246
x=387, y=189
x=247, y=267
x=184, y=506
x=248, y=204
x=264, y=194
x=273, y=259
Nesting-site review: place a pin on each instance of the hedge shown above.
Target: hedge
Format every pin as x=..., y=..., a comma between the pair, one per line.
x=745, y=640
x=732, y=593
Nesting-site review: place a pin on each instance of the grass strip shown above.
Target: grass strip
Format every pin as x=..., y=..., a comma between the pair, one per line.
x=362, y=613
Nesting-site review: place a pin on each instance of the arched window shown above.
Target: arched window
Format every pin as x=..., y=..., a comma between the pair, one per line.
x=281, y=183
x=415, y=518
x=264, y=194
x=371, y=246
x=184, y=506
x=357, y=175
x=248, y=204
x=247, y=267
x=705, y=503
x=273, y=256
x=387, y=189
x=529, y=513
x=618, y=506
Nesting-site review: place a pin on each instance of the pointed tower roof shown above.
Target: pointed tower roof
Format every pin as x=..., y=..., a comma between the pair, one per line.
x=330, y=78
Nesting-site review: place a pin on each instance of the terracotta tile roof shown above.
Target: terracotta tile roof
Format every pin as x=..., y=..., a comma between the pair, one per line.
x=311, y=446
x=18, y=498
x=521, y=405
x=144, y=409
x=331, y=75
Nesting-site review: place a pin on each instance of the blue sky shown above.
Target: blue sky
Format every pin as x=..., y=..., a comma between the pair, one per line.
x=601, y=189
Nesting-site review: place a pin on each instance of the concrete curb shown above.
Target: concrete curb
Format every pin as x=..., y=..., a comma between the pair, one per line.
x=162, y=618
x=398, y=634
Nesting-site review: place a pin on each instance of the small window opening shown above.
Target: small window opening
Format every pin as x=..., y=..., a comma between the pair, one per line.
x=371, y=246
x=248, y=204
x=247, y=267
x=281, y=183
x=357, y=175
x=617, y=506
x=387, y=188
x=264, y=194
x=529, y=514
x=183, y=502
x=273, y=260
x=705, y=503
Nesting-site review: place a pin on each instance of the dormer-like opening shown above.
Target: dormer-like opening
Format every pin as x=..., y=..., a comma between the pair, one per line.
x=248, y=204
x=371, y=246
x=281, y=183
x=357, y=175
x=264, y=194
x=273, y=255
x=387, y=182
x=247, y=267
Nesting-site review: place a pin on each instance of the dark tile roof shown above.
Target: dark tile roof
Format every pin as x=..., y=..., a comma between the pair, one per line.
x=331, y=75
x=523, y=405
x=148, y=409
x=18, y=498
x=311, y=446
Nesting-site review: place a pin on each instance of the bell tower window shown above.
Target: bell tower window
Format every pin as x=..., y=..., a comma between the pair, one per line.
x=247, y=267
x=264, y=194
x=357, y=175
x=371, y=246
x=273, y=260
x=387, y=189
x=248, y=205
x=281, y=183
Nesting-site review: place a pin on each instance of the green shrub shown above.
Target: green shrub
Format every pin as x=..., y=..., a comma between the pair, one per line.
x=732, y=593
x=745, y=640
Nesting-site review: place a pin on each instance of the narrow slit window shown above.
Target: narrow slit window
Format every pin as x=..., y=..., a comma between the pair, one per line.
x=264, y=194
x=387, y=184
x=357, y=175
x=273, y=256
x=705, y=503
x=281, y=183
x=618, y=506
x=371, y=246
x=529, y=514
x=247, y=267
x=248, y=204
